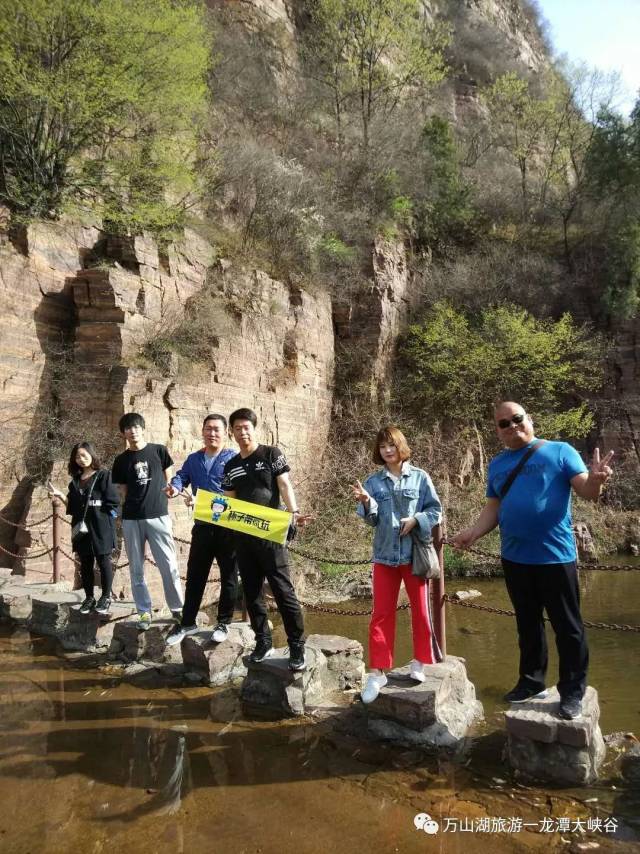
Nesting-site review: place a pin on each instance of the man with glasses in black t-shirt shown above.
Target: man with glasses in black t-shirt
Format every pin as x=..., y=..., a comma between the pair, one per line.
x=260, y=474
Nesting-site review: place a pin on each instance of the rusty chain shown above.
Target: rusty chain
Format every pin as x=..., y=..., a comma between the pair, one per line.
x=24, y=526
x=25, y=556
x=126, y=563
x=336, y=560
x=621, y=627
x=609, y=567
x=352, y=612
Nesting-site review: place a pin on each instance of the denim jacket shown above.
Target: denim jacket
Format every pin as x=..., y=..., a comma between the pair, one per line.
x=413, y=495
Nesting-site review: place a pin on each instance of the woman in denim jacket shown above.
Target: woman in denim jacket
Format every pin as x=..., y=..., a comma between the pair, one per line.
x=394, y=500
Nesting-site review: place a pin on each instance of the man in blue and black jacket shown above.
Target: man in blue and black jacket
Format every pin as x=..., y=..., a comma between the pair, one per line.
x=204, y=469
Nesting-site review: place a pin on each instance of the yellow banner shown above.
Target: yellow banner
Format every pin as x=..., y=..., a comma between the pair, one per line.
x=243, y=516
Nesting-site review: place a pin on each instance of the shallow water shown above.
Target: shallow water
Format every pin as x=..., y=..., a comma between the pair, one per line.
x=89, y=763
x=488, y=642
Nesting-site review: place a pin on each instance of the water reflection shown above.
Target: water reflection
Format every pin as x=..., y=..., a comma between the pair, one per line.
x=89, y=763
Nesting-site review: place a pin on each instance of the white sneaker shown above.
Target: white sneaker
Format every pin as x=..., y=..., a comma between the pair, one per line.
x=220, y=633
x=179, y=633
x=371, y=690
x=417, y=671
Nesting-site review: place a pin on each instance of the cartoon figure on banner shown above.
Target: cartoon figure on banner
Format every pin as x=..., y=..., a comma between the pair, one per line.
x=218, y=506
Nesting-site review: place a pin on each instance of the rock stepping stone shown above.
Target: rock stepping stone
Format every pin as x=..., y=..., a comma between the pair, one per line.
x=545, y=747
x=334, y=666
x=270, y=689
x=345, y=664
x=433, y=713
x=131, y=644
x=16, y=596
x=218, y=663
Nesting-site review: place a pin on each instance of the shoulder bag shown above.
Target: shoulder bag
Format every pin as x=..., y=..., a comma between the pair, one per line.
x=424, y=558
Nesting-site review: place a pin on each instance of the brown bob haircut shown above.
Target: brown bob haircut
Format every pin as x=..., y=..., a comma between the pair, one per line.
x=393, y=436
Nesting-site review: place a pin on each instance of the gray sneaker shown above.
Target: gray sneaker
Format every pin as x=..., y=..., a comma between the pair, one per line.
x=179, y=633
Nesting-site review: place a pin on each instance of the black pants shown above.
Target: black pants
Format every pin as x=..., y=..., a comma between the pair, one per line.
x=554, y=588
x=260, y=559
x=87, y=559
x=209, y=542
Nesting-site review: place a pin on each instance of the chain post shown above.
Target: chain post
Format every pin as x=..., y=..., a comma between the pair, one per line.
x=437, y=589
x=55, y=524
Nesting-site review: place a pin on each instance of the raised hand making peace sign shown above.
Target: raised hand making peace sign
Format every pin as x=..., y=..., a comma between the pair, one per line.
x=600, y=471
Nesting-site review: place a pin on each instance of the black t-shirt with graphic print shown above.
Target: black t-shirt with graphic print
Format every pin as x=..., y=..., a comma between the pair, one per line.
x=254, y=477
x=142, y=472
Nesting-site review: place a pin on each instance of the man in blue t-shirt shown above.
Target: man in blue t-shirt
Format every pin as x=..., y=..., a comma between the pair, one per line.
x=538, y=549
x=204, y=469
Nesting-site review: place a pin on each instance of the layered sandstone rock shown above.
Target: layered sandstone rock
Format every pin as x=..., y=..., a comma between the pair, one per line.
x=274, y=355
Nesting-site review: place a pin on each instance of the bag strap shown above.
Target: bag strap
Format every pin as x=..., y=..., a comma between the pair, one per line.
x=86, y=504
x=515, y=471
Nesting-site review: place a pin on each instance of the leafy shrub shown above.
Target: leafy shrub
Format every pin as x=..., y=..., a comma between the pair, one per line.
x=457, y=365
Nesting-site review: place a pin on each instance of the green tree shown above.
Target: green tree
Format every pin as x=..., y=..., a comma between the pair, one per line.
x=521, y=125
x=455, y=367
x=370, y=53
x=100, y=103
x=443, y=212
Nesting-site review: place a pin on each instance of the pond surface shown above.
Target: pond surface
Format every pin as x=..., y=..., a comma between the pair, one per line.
x=89, y=763
x=489, y=644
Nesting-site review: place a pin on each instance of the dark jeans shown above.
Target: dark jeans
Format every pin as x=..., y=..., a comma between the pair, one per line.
x=552, y=587
x=260, y=559
x=87, y=559
x=209, y=542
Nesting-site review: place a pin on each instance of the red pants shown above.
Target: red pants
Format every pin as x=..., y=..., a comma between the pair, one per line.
x=382, y=628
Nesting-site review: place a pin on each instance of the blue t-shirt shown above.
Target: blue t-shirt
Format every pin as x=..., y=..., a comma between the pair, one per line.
x=535, y=516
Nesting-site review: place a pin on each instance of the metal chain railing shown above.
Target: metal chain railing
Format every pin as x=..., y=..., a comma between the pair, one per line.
x=608, y=567
x=621, y=627
x=336, y=560
x=57, y=550
x=26, y=525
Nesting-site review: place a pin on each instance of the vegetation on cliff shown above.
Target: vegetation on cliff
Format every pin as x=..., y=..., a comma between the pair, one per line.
x=101, y=106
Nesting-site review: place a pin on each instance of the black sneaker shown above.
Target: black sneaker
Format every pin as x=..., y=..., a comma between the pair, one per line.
x=88, y=605
x=104, y=605
x=522, y=693
x=570, y=708
x=297, y=661
x=264, y=648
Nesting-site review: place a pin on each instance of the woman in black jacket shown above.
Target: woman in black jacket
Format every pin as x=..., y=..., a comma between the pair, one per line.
x=92, y=498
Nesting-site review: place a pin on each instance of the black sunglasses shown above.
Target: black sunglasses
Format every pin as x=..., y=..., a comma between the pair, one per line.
x=518, y=418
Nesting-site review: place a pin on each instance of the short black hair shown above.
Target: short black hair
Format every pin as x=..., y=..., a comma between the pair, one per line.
x=131, y=419
x=243, y=414
x=73, y=468
x=214, y=416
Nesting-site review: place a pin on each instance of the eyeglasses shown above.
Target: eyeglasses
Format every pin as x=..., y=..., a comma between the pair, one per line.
x=518, y=418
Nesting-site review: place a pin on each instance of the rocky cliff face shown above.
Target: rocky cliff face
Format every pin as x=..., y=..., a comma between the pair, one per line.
x=88, y=326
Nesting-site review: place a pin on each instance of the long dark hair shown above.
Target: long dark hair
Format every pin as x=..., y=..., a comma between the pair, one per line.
x=73, y=468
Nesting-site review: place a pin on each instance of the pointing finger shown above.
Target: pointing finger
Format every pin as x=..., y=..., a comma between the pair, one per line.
x=596, y=457
x=608, y=458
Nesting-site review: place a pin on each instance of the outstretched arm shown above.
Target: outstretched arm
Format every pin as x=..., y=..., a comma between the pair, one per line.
x=486, y=521
x=288, y=496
